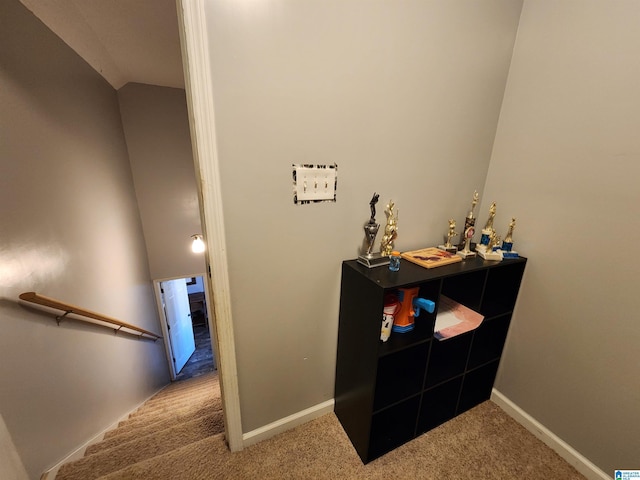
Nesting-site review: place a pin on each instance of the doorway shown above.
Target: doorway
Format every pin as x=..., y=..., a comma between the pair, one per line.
x=186, y=324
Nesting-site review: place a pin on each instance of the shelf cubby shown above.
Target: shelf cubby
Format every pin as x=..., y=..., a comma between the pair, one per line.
x=501, y=290
x=448, y=358
x=477, y=385
x=439, y=404
x=393, y=427
x=400, y=376
x=488, y=340
x=422, y=333
x=465, y=289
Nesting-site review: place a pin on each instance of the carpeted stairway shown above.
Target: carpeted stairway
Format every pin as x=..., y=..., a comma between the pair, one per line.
x=183, y=413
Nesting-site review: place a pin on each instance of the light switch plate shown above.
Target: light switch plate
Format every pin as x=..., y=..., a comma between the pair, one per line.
x=314, y=183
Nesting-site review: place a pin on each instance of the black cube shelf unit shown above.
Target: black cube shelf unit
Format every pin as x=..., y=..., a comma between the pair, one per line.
x=388, y=393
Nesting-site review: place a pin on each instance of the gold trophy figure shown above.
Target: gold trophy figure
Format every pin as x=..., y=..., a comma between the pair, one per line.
x=490, y=252
x=448, y=246
x=492, y=214
x=509, y=236
x=487, y=231
x=469, y=221
x=466, y=250
x=493, y=241
x=390, y=230
x=507, y=243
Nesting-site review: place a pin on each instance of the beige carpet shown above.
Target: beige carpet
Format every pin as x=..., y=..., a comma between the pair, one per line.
x=483, y=443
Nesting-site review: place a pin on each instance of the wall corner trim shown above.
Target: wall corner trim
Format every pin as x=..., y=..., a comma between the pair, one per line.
x=566, y=451
x=199, y=90
x=287, y=423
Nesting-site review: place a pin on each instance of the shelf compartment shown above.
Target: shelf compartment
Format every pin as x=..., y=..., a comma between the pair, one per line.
x=488, y=340
x=477, y=385
x=454, y=319
x=466, y=288
x=439, y=404
x=400, y=375
x=448, y=358
x=393, y=427
x=422, y=332
x=501, y=290
x=424, y=322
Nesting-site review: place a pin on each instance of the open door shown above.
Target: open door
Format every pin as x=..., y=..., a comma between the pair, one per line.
x=178, y=314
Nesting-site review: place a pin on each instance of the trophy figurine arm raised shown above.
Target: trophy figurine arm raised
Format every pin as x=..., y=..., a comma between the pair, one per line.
x=487, y=232
x=507, y=243
x=448, y=246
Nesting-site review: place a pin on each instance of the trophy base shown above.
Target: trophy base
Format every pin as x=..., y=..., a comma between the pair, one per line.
x=509, y=254
x=373, y=260
x=466, y=254
x=452, y=249
x=493, y=255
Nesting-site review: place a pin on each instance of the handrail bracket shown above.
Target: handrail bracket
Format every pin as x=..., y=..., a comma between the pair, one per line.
x=60, y=318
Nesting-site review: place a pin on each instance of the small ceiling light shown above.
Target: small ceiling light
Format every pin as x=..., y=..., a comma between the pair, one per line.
x=198, y=244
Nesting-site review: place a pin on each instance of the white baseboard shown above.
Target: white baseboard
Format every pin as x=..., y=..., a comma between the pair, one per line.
x=579, y=462
x=284, y=424
x=78, y=453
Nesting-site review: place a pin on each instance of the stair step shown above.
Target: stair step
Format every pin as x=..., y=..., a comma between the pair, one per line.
x=174, y=395
x=179, y=464
x=159, y=407
x=188, y=385
x=115, y=440
x=120, y=434
x=141, y=448
x=214, y=403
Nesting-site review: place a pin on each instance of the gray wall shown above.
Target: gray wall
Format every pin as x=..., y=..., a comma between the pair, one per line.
x=566, y=163
x=404, y=99
x=70, y=230
x=156, y=126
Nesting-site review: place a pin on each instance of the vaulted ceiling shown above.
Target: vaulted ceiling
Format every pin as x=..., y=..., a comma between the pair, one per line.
x=123, y=40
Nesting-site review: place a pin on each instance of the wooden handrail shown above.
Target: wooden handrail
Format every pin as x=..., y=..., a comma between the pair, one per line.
x=33, y=297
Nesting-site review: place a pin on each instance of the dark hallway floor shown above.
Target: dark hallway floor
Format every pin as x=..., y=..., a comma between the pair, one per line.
x=202, y=359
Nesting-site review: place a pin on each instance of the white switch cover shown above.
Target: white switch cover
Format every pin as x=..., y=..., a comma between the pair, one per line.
x=314, y=182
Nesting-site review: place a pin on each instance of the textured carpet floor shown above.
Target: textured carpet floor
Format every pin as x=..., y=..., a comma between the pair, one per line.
x=483, y=443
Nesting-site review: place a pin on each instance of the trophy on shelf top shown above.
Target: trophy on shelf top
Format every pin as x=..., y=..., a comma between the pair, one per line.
x=464, y=247
x=390, y=230
x=507, y=243
x=487, y=248
x=448, y=246
x=368, y=258
x=466, y=251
